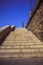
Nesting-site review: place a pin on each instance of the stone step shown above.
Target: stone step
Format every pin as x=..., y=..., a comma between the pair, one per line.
x=20, y=43
x=21, y=55
x=21, y=39
x=21, y=46
x=17, y=38
x=21, y=35
x=20, y=50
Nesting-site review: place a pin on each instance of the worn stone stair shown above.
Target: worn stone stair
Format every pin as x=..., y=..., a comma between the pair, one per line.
x=21, y=43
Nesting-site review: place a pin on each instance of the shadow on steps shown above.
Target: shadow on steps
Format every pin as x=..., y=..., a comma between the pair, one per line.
x=20, y=61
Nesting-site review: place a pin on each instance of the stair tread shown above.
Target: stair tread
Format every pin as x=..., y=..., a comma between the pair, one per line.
x=21, y=46
x=21, y=50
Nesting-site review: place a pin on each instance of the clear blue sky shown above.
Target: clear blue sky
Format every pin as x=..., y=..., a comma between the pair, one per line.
x=14, y=12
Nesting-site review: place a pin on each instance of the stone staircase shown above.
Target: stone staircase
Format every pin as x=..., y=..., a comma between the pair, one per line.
x=21, y=43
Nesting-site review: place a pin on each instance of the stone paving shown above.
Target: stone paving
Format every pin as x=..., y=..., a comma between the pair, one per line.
x=19, y=61
x=21, y=43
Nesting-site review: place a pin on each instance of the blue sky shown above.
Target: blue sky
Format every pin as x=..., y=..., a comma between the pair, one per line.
x=14, y=12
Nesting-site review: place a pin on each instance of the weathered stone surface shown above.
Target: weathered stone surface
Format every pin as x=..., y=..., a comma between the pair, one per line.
x=36, y=22
x=21, y=43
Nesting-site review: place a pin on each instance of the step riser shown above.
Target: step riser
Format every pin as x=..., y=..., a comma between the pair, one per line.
x=21, y=41
x=21, y=50
x=22, y=47
x=21, y=55
x=21, y=44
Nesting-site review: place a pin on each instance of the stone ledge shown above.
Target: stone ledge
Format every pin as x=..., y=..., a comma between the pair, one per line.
x=4, y=31
x=12, y=28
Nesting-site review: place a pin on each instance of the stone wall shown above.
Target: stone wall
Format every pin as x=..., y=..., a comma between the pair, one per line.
x=35, y=24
